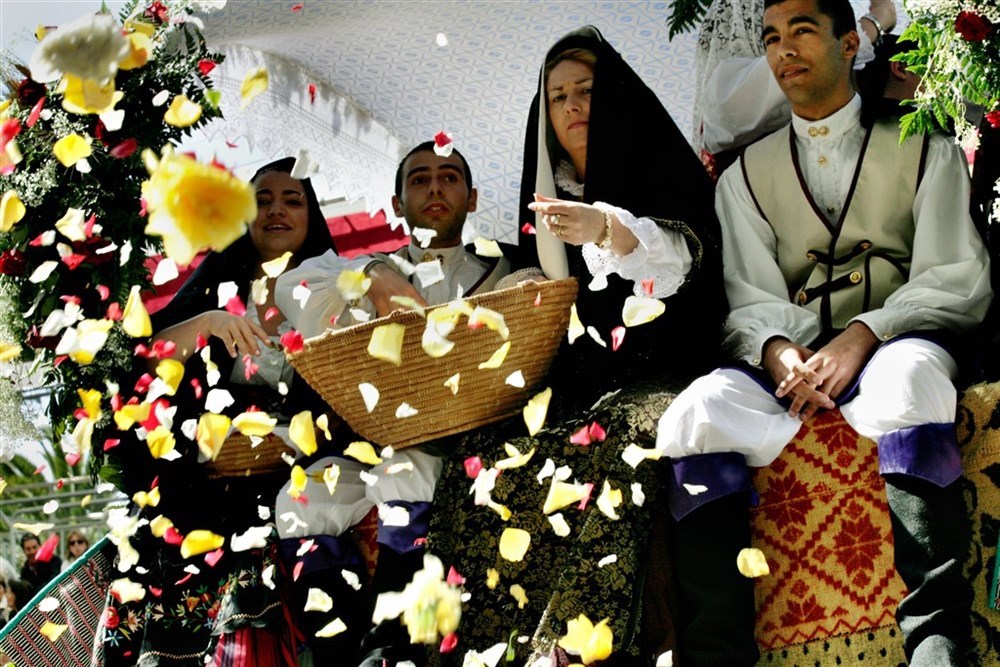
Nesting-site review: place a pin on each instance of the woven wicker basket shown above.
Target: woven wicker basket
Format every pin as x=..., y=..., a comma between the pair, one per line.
x=337, y=362
x=239, y=458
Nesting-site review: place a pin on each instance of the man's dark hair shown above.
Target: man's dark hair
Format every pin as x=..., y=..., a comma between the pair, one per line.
x=429, y=146
x=27, y=537
x=839, y=11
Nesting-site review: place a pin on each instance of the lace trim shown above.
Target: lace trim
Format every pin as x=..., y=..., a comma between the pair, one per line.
x=565, y=178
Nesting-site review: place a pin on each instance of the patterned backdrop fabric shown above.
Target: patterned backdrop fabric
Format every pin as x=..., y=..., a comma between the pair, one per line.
x=384, y=83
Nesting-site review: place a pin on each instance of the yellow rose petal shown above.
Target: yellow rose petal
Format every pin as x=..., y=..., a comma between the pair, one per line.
x=130, y=414
x=487, y=247
x=563, y=494
x=515, y=458
x=9, y=351
x=434, y=343
x=182, y=112
x=298, y=482
x=353, y=285
x=85, y=96
x=144, y=498
x=752, y=563
x=331, y=475
x=160, y=442
x=135, y=25
x=211, y=433
x=254, y=83
x=452, y=383
x=126, y=590
x=302, y=432
x=609, y=500
x=323, y=424
x=255, y=424
x=159, y=526
x=71, y=225
x=90, y=399
x=331, y=629
x=171, y=372
x=140, y=50
x=591, y=642
x=497, y=359
x=492, y=578
x=200, y=541
x=640, y=310
x=517, y=592
x=135, y=318
x=276, y=266
x=52, y=631
x=387, y=343
x=576, y=328
x=71, y=149
x=491, y=319
x=12, y=210
x=364, y=452
x=536, y=409
x=514, y=543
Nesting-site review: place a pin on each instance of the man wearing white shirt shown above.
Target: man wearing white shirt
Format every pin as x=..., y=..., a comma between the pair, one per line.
x=434, y=194
x=850, y=263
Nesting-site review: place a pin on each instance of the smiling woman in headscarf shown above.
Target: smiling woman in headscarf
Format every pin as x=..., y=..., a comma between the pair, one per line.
x=623, y=205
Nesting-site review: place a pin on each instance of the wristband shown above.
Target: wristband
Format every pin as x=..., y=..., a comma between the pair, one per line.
x=605, y=243
x=879, y=30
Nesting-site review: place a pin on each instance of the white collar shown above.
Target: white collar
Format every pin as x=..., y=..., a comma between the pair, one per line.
x=448, y=256
x=834, y=126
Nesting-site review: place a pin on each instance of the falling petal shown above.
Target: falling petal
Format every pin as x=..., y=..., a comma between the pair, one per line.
x=752, y=563
x=441, y=39
x=135, y=319
x=647, y=286
x=452, y=383
x=182, y=112
x=443, y=144
x=363, y=452
x=563, y=494
x=497, y=359
x=304, y=166
x=581, y=437
x=515, y=379
x=71, y=225
x=638, y=495
x=254, y=83
x=607, y=560
x=302, y=432
x=494, y=321
x=71, y=149
x=126, y=590
x=517, y=592
x=492, y=578
x=609, y=500
x=487, y=247
x=160, y=442
x=514, y=543
x=559, y=525
x=515, y=458
x=423, y=235
x=160, y=98
x=405, y=410
x=211, y=434
x=12, y=211
x=695, y=489
x=298, y=482
x=641, y=309
x=617, y=336
x=576, y=328
x=292, y=341
x=387, y=343
x=331, y=629
x=198, y=542
x=276, y=266
x=593, y=333
x=369, y=394
x=52, y=631
x=318, y=600
x=634, y=455
x=591, y=642
x=166, y=270
x=171, y=372
x=258, y=424
x=536, y=409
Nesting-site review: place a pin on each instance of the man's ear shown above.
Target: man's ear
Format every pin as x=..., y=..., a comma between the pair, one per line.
x=850, y=44
x=473, y=198
x=898, y=70
x=397, y=206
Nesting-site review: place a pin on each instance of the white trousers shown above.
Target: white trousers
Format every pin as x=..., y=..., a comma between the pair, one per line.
x=353, y=497
x=908, y=382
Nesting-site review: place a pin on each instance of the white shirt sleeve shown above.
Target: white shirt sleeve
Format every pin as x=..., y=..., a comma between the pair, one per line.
x=661, y=256
x=755, y=286
x=741, y=102
x=949, y=282
x=313, y=317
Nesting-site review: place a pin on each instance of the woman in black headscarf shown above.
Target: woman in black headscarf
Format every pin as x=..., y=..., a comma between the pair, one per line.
x=223, y=609
x=596, y=134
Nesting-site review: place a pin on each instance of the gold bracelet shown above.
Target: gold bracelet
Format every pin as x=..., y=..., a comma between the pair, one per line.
x=605, y=243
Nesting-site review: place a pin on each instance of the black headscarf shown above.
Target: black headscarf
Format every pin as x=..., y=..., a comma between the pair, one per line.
x=637, y=159
x=186, y=491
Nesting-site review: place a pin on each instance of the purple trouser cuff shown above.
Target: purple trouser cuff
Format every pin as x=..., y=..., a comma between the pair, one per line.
x=404, y=539
x=328, y=552
x=721, y=474
x=929, y=452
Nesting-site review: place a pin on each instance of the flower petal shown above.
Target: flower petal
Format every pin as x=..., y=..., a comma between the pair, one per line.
x=752, y=563
x=71, y=149
x=200, y=541
x=536, y=409
x=498, y=357
x=302, y=432
x=387, y=343
x=182, y=112
x=641, y=309
x=211, y=434
x=576, y=328
x=254, y=83
x=514, y=543
x=363, y=452
x=255, y=424
x=135, y=319
x=12, y=210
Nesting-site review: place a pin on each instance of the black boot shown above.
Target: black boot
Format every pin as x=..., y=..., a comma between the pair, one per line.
x=931, y=532
x=323, y=569
x=400, y=556
x=715, y=603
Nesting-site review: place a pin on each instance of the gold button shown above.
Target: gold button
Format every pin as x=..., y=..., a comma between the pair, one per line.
x=822, y=160
x=855, y=277
x=803, y=298
x=865, y=245
x=823, y=131
x=811, y=256
x=886, y=336
x=755, y=361
x=830, y=209
x=820, y=131
x=813, y=131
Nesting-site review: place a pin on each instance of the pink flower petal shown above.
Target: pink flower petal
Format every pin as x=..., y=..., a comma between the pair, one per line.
x=312, y=93
x=103, y=292
x=36, y=111
x=114, y=311
x=183, y=580
x=617, y=336
x=297, y=7
x=72, y=459
x=109, y=444
x=297, y=570
x=647, y=286
x=449, y=643
x=231, y=144
x=212, y=557
x=172, y=536
x=236, y=306
x=442, y=139
x=124, y=149
x=197, y=388
x=40, y=469
x=538, y=300
x=581, y=437
x=47, y=550
x=588, y=489
x=454, y=578
x=271, y=312
x=60, y=484
x=205, y=66
x=88, y=227
x=142, y=207
x=292, y=341
x=528, y=228
x=597, y=432
x=473, y=465
x=9, y=129
x=199, y=342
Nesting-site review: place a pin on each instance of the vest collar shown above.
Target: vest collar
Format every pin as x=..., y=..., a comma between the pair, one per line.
x=452, y=256
x=832, y=127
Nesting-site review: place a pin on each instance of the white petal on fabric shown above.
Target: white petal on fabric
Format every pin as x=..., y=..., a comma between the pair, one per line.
x=369, y=394
x=695, y=489
x=429, y=273
x=559, y=525
x=226, y=292
x=304, y=166
x=547, y=471
x=423, y=236
x=516, y=379
x=638, y=495
x=166, y=270
x=607, y=560
x=218, y=400
x=393, y=516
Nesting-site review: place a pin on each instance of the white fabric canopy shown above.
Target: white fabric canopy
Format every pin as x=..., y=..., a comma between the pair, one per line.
x=385, y=84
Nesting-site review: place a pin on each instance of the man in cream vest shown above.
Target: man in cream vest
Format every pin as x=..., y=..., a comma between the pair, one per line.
x=851, y=266
x=434, y=194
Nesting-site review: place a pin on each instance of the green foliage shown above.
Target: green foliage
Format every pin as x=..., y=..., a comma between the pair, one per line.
x=686, y=15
